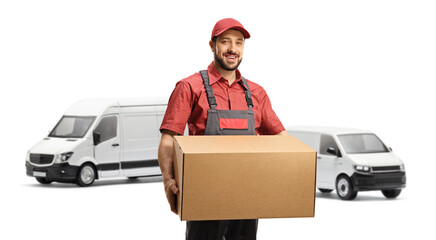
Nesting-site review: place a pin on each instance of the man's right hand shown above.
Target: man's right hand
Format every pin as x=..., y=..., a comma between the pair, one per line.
x=165, y=156
x=171, y=191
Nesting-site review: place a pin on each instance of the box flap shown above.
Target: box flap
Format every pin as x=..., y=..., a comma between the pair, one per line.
x=241, y=144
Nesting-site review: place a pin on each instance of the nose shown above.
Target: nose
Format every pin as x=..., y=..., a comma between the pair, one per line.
x=232, y=47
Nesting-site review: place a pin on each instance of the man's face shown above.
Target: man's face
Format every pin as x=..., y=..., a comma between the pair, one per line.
x=228, y=49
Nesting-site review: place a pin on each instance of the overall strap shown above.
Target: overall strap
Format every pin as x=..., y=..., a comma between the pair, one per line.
x=247, y=94
x=211, y=97
x=209, y=91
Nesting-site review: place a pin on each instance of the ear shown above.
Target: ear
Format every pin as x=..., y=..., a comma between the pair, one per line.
x=212, y=46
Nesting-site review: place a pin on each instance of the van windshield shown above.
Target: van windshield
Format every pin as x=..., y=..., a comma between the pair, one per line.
x=72, y=127
x=362, y=143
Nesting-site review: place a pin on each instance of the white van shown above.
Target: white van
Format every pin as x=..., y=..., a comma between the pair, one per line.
x=100, y=138
x=351, y=160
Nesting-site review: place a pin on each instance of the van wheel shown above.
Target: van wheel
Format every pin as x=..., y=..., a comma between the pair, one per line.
x=86, y=175
x=345, y=189
x=392, y=193
x=324, y=190
x=43, y=180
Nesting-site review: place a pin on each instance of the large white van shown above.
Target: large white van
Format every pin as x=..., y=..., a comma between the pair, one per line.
x=100, y=138
x=351, y=160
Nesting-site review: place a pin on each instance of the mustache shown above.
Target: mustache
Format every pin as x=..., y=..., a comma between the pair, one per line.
x=231, y=53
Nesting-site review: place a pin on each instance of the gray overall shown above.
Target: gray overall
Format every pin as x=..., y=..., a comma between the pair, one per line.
x=225, y=122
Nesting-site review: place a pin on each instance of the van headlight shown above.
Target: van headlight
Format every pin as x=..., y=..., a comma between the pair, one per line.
x=402, y=168
x=62, y=158
x=361, y=168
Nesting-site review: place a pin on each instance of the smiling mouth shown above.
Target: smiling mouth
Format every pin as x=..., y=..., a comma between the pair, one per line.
x=231, y=57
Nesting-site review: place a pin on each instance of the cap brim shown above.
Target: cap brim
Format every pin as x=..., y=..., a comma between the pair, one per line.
x=242, y=30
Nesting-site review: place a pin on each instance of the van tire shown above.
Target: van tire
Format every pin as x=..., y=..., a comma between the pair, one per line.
x=324, y=190
x=86, y=175
x=391, y=193
x=43, y=180
x=345, y=188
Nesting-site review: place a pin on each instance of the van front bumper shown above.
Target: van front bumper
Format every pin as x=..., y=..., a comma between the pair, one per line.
x=378, y=181
x=62, y=172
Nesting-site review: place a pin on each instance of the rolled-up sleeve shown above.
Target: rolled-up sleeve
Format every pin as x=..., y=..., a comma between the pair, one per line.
x=178, y=109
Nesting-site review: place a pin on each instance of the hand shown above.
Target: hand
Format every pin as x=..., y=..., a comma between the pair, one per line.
x=171, y=191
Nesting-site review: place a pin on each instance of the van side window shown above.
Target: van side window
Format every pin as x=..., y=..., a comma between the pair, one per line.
x=326, y=142
x=107, y=128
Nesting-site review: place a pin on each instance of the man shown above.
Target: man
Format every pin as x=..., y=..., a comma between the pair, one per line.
x=218, y=101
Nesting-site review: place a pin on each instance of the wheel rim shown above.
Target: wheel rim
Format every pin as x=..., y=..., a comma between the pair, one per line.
x=343, y=187
x=87, y=175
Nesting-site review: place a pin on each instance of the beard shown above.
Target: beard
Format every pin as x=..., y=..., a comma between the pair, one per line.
x=223, y=65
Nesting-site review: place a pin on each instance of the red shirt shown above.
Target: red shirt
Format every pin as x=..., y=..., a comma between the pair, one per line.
x=188, y=104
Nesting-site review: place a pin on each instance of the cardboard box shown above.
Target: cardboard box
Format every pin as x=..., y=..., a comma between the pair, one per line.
x=244, y=177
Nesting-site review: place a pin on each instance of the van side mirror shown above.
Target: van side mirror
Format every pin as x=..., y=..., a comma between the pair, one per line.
x=390, y=149
x=96, y=138
x=333, y=151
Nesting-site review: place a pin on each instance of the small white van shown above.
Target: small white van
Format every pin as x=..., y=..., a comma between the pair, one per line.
x=100, y=138
x=351, y=160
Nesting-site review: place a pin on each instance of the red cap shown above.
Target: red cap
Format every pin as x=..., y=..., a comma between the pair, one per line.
x=226, y=24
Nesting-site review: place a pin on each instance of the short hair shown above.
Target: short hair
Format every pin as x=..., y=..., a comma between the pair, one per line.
x=215, y=37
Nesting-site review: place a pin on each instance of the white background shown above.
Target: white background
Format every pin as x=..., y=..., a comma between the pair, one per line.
x=361, y=64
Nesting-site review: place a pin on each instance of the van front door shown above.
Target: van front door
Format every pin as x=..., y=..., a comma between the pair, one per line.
x=327, y=163
x=107, y=149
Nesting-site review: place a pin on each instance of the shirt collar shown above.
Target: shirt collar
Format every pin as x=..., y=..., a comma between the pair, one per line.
x=214, y=75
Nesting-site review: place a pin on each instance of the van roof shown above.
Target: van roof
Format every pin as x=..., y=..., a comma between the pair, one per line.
x=326, y=130
x=96, y=107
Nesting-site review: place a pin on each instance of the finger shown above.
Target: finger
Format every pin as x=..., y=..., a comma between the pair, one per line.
x=174, y=209
x=175, y=189
x=172, y=202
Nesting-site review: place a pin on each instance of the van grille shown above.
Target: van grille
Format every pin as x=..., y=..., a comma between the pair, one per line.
x=391, y=178
x=41, y=158
x=386, y=169
x=379, y=180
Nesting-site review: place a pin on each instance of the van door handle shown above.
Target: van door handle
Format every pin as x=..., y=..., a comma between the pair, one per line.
x=318, y=157
x=115, y=145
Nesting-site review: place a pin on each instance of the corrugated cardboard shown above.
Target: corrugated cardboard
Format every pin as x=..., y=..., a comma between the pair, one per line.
x=244, y=177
